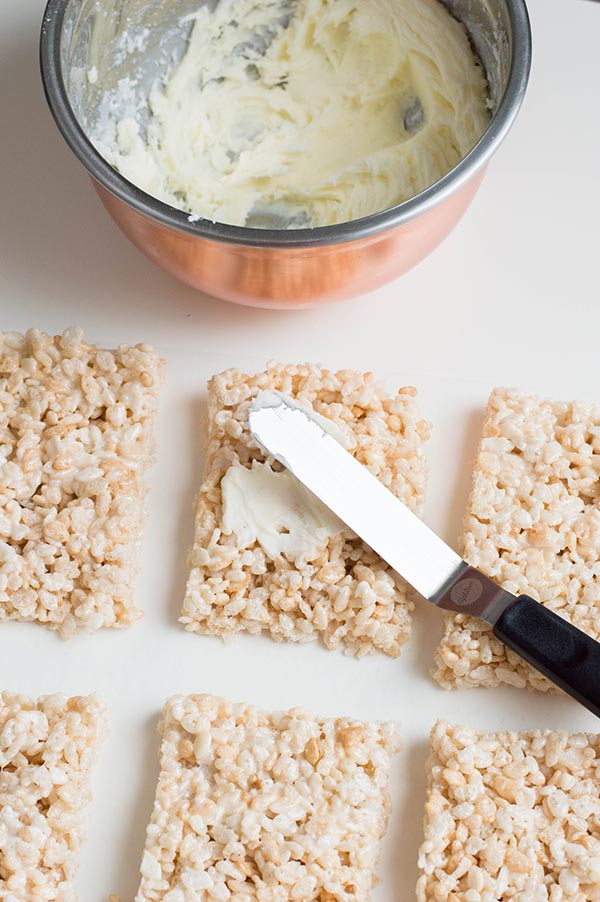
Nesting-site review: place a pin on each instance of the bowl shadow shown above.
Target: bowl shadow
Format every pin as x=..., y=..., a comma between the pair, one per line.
x=52, y=225
x=57, y=243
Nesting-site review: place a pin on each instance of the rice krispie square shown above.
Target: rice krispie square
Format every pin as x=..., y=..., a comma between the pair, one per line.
x=511, y=816
x=47, y=749
x=75, y=441
x=533, y=525
x=342, y=591
x=265, y=807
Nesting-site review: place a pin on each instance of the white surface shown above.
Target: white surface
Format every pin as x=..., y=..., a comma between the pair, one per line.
x=511, y=297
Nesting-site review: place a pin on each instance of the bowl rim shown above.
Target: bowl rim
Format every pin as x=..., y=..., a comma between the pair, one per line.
x=319, y=236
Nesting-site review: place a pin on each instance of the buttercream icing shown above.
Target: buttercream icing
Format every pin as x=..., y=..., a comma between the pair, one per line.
x=296, y=114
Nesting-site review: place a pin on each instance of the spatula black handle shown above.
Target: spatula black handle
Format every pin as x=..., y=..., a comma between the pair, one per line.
x=560, y=651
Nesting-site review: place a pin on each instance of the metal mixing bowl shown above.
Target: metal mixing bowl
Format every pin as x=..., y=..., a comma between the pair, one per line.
x=126, y=43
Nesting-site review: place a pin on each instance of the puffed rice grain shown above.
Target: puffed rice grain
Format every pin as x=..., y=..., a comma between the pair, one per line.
x=75, y=441
x=533, y=525
x=47, y=749
x=262, y=807
x=512, y=817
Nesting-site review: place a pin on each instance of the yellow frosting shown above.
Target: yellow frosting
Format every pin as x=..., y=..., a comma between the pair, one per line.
x=308, y=113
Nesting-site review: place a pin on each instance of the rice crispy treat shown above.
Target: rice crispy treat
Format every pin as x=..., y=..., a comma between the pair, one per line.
x=47, y=749
x=262, y=807
x=533, y=525
x=346, y=594
x=511, y=816
x=75, y=441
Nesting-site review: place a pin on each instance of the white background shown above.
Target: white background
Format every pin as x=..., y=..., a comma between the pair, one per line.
x=512, y=297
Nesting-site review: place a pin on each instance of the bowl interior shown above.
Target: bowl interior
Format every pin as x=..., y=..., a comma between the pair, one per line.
x=113, y=50
x=101, y=57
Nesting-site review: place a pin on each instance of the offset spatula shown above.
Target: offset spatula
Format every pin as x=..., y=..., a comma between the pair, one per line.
x=560, y=651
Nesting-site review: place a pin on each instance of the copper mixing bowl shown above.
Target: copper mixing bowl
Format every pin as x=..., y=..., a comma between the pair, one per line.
x=263, y=267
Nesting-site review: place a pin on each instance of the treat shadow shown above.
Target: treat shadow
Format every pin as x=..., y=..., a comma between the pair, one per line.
x=429, y=621
x=194, y=435
x=406, y=830
x=462, y=484
x=127, y=870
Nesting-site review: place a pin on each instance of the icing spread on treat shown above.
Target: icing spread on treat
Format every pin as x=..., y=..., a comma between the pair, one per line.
x=275, y=398
x=273, y=508
x=310, y=113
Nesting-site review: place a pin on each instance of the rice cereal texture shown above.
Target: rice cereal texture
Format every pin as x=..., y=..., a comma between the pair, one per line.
x=47, y=749
x=533, y=525
x=511, y=816
x=75, y=440
x=344, y=594
x=263, y=807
